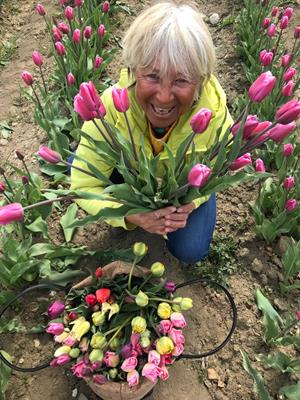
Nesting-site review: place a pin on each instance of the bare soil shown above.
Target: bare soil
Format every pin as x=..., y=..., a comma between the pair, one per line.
x=210, y=318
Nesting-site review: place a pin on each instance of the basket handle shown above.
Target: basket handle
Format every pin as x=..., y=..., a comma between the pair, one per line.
x=11, y=302
x=234, y=318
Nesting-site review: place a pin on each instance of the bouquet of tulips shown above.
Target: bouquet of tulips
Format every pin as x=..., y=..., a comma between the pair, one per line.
x=122, y=327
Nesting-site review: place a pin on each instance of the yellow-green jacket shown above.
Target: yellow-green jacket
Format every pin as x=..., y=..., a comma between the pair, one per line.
x=212, y=97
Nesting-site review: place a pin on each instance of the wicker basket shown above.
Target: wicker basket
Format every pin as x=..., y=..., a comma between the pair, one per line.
x=118, y=390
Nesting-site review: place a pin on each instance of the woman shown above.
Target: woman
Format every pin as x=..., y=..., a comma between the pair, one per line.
x=170, y=57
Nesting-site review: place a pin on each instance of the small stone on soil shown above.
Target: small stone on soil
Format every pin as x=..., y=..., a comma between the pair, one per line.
x=212, y=374
x=214, y=19
x=257, y=265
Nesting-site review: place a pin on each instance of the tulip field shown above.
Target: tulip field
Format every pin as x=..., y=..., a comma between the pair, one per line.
x=54, y=52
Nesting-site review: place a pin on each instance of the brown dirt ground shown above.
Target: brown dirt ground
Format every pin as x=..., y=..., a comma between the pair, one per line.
x=209, y=320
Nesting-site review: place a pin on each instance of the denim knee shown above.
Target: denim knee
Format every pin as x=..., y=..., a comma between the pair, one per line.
x=188, y=252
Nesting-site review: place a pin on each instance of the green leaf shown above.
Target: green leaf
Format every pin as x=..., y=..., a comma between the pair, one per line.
x=66, y=220
x=52, y=169
x=259, y=386
x=63, y=278
x=5, y=373
x=292, y=392
x=281, y=362
x=20, y=268
x=11, y=326
x=39, y=225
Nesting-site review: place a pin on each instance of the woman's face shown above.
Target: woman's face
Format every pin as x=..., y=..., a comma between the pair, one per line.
x=164, y=99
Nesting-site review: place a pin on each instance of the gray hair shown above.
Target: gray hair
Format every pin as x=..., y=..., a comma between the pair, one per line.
x=173, y=35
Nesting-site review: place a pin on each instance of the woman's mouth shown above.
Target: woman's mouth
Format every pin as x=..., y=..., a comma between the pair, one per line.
x=162, y=111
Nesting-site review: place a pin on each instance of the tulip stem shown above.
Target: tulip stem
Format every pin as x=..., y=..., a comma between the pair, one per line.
x=178, y=166
x=117, y=329
x=8, y=198
x=28, y=173
x=8, y=184
x=43, y=79
x=108, y=130
x=102, y=133
x=180, y=190
x=78, y=168
x=131, y=137
x=248, y=146
x=38, y=101
x=131, y=272
x=50, y=201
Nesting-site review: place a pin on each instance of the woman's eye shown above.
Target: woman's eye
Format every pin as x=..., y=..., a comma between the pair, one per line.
x=153, y=77
x=181, y=81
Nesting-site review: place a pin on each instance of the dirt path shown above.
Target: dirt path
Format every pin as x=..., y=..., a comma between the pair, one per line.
x=208, y=323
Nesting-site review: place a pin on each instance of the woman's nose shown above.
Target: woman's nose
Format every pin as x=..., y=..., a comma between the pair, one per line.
x=164, y=95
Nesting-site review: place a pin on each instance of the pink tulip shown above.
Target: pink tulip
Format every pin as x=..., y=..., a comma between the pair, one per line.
x=49, y=155
x=176, y=336
x=165, y=326
x=69, y=13
x=178, y=320
x=11, y=213
x=199, y=175
x=288, y=12
x=60, y=49
x=289, y=74
x=265, y=57
x=87, y=102
x=284, y=22
x=55, y=309
x=271, y=30
x=61, y=360
x=76, y=36
x=266, y=23
x=27, y=78
x=178, y=349
x=87, y=32
x=150, y=371
x=154, y=357
x=288, y=149
x=163, y=373
x=63, y=27
x=274, y=11
x=2, y=187
x=298, y=315
x=241, y=162
x=259, y=165
x=57, y=35
x=129, y=364
x=40, y=9
x=55, y=328
x=288, y=89
x=71, y=79
x=78, y=3
x=98, y=61
x=120, y=99
x=200, y=120
x=133, y=378
x=81, y=369
x=262, y=126
x=279, y=132
x=170, y=286
x=105, y=7
x=111, y=359
x=101, y=31
x=291, y=205
x=249, y=126
x=289, y=182
x=99, y=379
x=70, y=341
x=63, y=2
x=25, y=180
x=37, y=58
x=288, y=112
x=286, y=59
x=262, y=87
x=297, y=32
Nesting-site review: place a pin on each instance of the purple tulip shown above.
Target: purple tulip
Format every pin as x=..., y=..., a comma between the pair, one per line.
x=241, y=162
x=262, y=87
x=288, y=112
x=61, y=360
x=266, y=23
x=126, y=351
x=55, y=328
x=105, y=7
x=49, y=155
x=259, y=165
x=291, y=205
x=200, y=120
x=11, y=213
x=288, y=149
x=279, y=132
x=289, y=182
x=37, y=58
x=27, y=78
x=99, y=379
x=25, y=180
x=63, y=27
x=55, y=309
x=297, y=32
x=199, y=175
x=274, y=11
x=170, y=286
x=120, y=99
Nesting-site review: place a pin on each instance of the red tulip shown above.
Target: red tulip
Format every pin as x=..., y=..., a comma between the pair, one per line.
x=49, y=155
x=249, y=126
x=288, y=12
x=286, y=59
x=90, y=300
x=57, y=35
x=280, y=132
x=241, y=162
x=120, y=99
x=27, y=78
x=291, y=205
x=271, y=30
x=2, y=187
x=288, y=112
x=284, y=22
x=98, y=61
x=87, y=102
x=266, y=23
x=200, y=120
x=259, y=165
x=60, y=49
x=289, y=182
x=297, y=32
x=288, y=89
x=76, y=36
x=63, y=27
x=266, y=57
x=105, y=7
x=99, y=272
x=69, y=13
x=101, y=31
x=262, y=87
x=199, y=175
x=37, y=58
x=71, y=79
x=102, y=295
x=288, y=149
x=40, y=9
x=289, y=74
x=87, y=32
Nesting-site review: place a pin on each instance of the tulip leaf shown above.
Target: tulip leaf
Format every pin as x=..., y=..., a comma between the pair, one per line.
x=52, y=169
x=20, y=268
x=291, y=392
x=65, y=277
x=281, y=362
x=5, y=373
x=39, y=225
x=66, y=219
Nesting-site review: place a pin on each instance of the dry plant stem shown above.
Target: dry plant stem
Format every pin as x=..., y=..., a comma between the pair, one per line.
x=178, y=166
x=131, y=137
x=102, y=133
x=45, y=202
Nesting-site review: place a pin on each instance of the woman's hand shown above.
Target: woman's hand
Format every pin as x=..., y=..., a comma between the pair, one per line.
x=162, y=221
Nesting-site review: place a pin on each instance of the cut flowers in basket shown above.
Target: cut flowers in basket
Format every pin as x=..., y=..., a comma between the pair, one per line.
x=121, y=327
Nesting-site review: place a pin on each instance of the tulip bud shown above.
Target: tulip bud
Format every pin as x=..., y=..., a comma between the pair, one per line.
x=288, y=89
x=2, y=187
x=74, y=353
x=284, y=22
x=37, y=58
x=25, y=180
x=98, y=61
x=298, y=315
x=71, y=79
x=105, y=7
x=63, y=27
x=138, y=325
x=164, y=345
x=49, y=155
x=55, y=328
x=178, y=320
x=76, y=36
x=69, y=13
x=186, y=303
x=78, y=3
x=27, y=78
x=90, y=300
x=297, y=32
x=271, y=30
x=164, y=310
x=289, y=74
x=157, y=269
x=101, y=31
x=120, y=99
x=40, y=9
x=114, y=344
x=61, y=360
x=96, y=355
x=98, y=318
x=288, y=12
x=289, y=182
x=87, y=32
x=141, y=299
x=55, y=309
x=288, y=112
x=103, y=295
x=99, y=379
x=170, y=287
x=99, y=273
x=98, y=341
x=291, y=205
x=286, y=59
x=113, y=373
x=259, y=165
x=281, y=131
x=57, y=35
x=262, y=87
x=111, y=359
x=87, y=102
x=287, y=149
x=266, y=23
x=140, y=249
x=265, y=57
x=145, y=342
x=80, y=328
x=199, y=175
x=62, y=350
x=274, y=11
x=250, y=124
x=60, y=49
x=200, y=120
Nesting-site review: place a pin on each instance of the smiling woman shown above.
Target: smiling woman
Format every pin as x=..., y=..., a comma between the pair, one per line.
x=169, y=58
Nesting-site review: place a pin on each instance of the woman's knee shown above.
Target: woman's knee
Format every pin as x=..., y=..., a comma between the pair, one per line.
x=189, y=253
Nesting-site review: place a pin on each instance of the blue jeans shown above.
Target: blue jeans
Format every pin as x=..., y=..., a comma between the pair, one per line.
x=191, y=243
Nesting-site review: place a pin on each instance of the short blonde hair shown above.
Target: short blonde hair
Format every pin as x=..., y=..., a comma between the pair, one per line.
x=173, y=35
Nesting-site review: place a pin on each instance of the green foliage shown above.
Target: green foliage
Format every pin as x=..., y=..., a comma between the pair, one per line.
x=291, y=392
x=291, y=267
x=5, y=373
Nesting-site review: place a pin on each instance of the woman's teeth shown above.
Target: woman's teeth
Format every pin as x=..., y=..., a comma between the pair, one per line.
x=162, y=111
